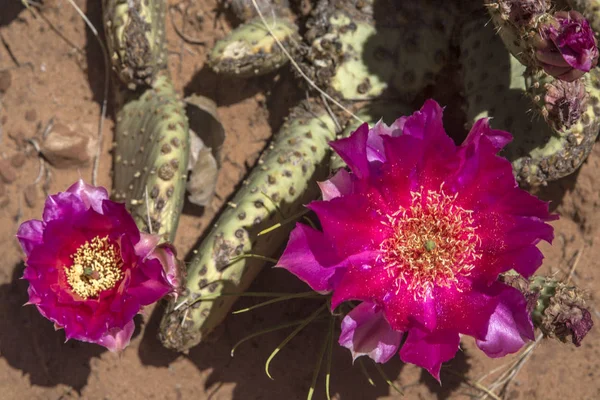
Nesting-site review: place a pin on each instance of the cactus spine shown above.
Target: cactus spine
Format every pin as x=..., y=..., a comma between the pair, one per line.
x=283, y=179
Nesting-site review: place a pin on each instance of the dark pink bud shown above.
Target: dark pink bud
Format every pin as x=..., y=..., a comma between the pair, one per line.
x=569, y=48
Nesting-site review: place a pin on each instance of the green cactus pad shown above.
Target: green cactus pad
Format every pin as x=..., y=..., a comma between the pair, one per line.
x=135, y=33
x=250, y=50
x=362, y=52
x=151, y=158
x=283, y=180
x=495, y=86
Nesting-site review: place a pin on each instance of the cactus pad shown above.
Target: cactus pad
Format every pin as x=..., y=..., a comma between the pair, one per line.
x=281, y=183
x=151, y=157
x=135, y=33
x=495, y=86
x=250, y=50
x=359, y=52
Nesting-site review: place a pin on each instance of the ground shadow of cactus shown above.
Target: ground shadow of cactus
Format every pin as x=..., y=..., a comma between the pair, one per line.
x=291, y=369
x=34, y=347
x=93, y=53
x=10, y=10
x=452, y=376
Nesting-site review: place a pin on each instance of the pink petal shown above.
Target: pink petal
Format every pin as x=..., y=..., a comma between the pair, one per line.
x=117, y=339
x=363, y=281
x=366, y=332
x=92, y=196
x=146, y=245
x=338, y=185
x=311, y=257
x=149, y=283
x=63, y=205
x=430, y=350
x=467, y=310
x=352, y=223
x=353, y=150
x=30, y=234
x=403, y=310
x=510, y=325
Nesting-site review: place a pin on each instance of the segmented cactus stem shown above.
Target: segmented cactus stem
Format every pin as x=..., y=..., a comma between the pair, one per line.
x=151, y=158
x=495, y=86
x=135, y=33
x=284, y=179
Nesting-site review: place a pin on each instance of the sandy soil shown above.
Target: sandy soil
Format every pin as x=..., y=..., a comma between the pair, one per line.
x=51, y=69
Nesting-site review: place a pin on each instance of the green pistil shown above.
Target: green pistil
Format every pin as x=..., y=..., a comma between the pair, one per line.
x=429, y=245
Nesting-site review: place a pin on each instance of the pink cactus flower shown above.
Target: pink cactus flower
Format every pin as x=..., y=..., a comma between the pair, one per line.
x=569, y=48
x=417, y=232
x=89, y=268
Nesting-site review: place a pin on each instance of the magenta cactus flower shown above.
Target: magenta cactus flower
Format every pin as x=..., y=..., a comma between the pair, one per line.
x=417, y=232
x=89, y=268
x=569, y=48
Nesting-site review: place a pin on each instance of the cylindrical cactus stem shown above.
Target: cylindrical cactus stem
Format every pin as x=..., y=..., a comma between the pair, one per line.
x=560, y=103
x=281, y=183
x=357, y=55
x=135, y=33
x=561, y=43
x=151, y=158
x=557, y=309
x=250, y=49
x=495, y=86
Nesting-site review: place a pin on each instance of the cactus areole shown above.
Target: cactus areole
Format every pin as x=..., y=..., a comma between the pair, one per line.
x=418, y=231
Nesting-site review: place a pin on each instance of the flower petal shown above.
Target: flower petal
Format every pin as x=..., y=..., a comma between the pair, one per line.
x=92, y=196
x=338, y=185
x=63, y=205
x=30, y=234
x=352, y=223
x=366, y=332
x=353, y=150
x=430, y=350
x=510, y=325
x=146, y=245
x=117, y=339
x=311, y=257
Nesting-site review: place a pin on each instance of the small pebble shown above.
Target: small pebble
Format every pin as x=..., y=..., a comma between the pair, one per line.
x=18, y=160
x=31, y=115
x=7, y=172
x=31, y=195
x=5, y=81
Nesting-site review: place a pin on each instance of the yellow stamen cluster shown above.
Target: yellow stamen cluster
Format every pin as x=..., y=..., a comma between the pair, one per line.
x=96, y=267
x=434, y=242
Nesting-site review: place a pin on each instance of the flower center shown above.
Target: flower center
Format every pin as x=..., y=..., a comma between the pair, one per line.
x=96, y=267
x=434, y=242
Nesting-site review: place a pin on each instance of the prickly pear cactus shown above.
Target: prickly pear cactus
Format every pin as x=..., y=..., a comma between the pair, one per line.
x=250, y=50
x=558, y=309
x=495, y=86
x=281, y=183
x=517, y=24
x=361, y=51
x=135, y=33
x=151, y=158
